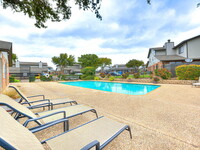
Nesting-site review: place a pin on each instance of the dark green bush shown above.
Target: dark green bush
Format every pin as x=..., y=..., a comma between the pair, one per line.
x=103, y=75
x=125, y=75
x=136, y=75
x=62, y=77
x=87, y=77
x=188, y=72
x=88, y=73
x=12, y=78
x=163, y=73
x=31, y=78
x=45, y=78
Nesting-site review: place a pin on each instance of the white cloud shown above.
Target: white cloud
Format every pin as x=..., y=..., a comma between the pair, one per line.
x=127, y=31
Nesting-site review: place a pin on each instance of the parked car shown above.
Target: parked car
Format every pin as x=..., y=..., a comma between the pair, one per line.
x=79, y=74
x=114, y=74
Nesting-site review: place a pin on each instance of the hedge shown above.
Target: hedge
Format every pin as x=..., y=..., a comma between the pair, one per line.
x=188, y=72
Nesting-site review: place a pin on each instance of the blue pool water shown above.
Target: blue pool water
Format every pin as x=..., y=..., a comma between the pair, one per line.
x=124, y=88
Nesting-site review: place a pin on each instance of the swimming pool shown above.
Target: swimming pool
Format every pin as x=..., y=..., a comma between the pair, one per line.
x=124, y=88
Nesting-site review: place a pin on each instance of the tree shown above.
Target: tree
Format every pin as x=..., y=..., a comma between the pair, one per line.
x=14, y=57
x=89, y=60
x=56, y=10
x=103, y=62
x=63, y=61
x=135, y=64
x=44, y=10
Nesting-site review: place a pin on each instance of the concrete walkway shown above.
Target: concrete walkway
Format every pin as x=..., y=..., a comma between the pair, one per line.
x=167, y=118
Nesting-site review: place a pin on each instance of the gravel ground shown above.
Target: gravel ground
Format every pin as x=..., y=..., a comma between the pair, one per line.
x=167, y=118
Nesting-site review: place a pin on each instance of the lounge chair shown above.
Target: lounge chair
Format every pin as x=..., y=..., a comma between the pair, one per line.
x=195, y=84
x=23, y=111
x=51, y=101
x=96, y=133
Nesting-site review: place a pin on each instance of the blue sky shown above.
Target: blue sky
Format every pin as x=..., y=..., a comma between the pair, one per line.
x=127, y=31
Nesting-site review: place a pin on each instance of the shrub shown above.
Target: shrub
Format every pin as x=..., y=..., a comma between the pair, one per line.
x=90, y=71
x=96, y=78
x=111, y=78
x=156, y=79
x=108, y=75
x=102, y=75
x=31, y=78
x=136, y=75
x=12, y=78
x=125, y=75
x=163, y=73
x=87, y=77
x=62, y=77
x=46, y=78
x=156, y=72
x=188, y=72
x=129, y=79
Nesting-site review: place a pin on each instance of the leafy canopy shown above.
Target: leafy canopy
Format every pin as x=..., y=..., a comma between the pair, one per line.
x=55, y=10
x=63, y=60
x=14, y=57
x=134, y=63
x=89, y=60
x=103, y=62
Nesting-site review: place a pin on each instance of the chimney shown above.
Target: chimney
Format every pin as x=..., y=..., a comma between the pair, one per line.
x=169, y=48
x=40, y=64
x=17, y=64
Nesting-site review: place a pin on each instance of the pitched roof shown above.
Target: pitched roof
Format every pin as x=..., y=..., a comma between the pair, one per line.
x=169, y=57
x=7, y=46
x=156, y=49
x=186, y=41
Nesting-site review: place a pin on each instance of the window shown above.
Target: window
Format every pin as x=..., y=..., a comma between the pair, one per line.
x=181, y=50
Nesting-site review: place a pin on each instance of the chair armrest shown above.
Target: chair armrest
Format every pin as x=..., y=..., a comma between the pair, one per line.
x=47, y=125
x=40, y=105
x=35, y=119
x=36, y=96
x=92, y=144
x=37, y=101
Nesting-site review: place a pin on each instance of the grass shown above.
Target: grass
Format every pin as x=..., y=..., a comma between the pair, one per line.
x=15, y=80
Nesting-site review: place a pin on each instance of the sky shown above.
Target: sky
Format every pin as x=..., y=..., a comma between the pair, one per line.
x=127, y=31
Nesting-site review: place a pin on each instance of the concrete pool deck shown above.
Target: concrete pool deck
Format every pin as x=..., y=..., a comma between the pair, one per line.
x=166, y=118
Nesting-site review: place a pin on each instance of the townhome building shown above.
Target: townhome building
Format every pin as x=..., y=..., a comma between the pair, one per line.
x=120, y=68
x=75, y=68
x=25, y=69
x=170, y=56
